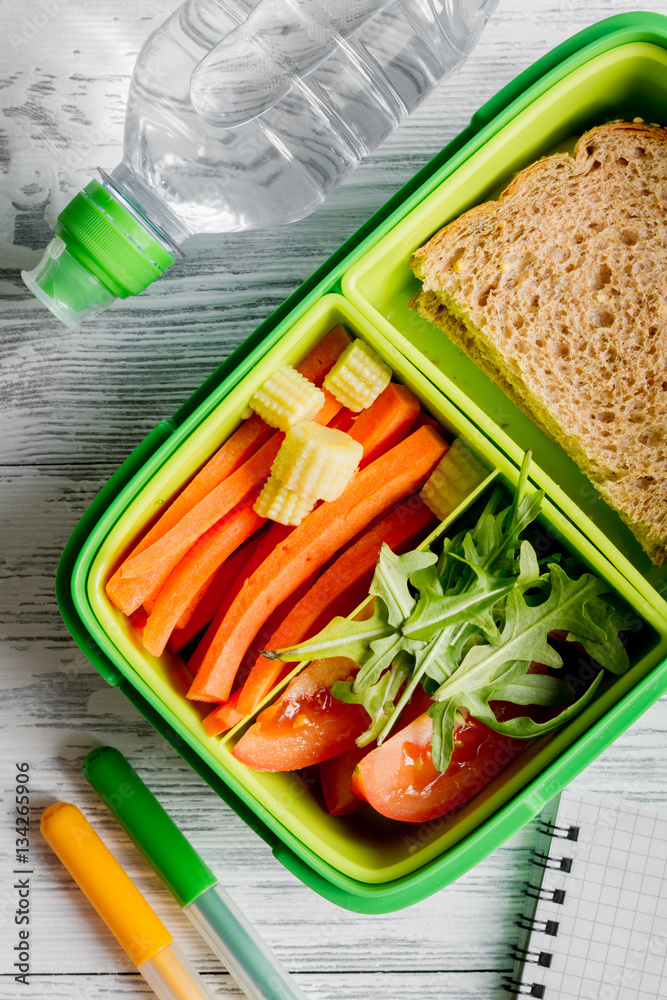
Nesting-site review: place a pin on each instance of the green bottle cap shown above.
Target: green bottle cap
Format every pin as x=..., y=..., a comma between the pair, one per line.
x=100, y=252
x=144, y=820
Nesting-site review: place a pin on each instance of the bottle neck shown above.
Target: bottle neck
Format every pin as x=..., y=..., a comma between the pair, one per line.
x=147, y=207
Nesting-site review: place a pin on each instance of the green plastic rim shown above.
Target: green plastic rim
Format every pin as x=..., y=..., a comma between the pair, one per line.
x=107, y=239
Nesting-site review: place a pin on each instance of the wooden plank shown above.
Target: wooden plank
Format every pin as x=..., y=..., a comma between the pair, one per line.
x=73, y=405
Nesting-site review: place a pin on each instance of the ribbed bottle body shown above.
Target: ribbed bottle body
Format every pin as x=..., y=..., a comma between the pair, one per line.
x=314, y=87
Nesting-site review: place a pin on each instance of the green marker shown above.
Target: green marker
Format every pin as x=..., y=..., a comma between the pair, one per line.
x=191, y=882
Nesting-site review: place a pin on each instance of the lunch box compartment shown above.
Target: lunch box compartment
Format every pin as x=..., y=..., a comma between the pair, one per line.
x=627, y=81
x=363, y=850
x=165, y=679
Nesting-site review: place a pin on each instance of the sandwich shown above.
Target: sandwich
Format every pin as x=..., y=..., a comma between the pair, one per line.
x=558, y=291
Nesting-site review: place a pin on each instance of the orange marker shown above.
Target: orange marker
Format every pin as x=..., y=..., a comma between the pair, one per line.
x=138, y=930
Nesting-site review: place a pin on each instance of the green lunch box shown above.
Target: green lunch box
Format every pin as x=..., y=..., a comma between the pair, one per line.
x=617, y=68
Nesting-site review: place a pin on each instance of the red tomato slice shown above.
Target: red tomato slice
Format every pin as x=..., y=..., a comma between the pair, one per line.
x=336, y=773
x=399, y=780
x=306, y=724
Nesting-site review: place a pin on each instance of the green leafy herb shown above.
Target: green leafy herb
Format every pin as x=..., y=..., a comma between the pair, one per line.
x=467, y=625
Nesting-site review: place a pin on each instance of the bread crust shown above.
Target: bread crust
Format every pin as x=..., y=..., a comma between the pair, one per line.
x=558, y=291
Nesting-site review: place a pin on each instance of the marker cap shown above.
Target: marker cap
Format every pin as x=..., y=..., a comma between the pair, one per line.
x=100, y=252
x=115, y=897
x=144, y=820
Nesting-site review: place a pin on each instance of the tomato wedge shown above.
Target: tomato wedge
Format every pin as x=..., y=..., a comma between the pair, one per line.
x=335, y=776
x=306, y=724
x=399, y=780
x=336, y=773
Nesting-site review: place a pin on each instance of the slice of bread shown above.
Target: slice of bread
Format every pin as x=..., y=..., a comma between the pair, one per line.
x=558, y=291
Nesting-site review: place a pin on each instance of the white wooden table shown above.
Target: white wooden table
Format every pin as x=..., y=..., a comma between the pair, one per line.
x=73, y=405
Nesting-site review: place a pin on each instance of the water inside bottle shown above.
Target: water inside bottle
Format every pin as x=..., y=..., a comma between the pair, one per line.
x=312, y=128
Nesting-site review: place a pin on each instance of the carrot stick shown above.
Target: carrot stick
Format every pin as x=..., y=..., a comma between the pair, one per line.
x=379, y=431
x=329, y=409
x=224, y=716
x=228, y=714
x=346, y=581
x=423, y=420
x=142, y=576
x=344, y=420
x=319, y=362
x=258, y=549
x=263, y=545
x=184, y=577
x=384, y=482
x=253, y=554
x=215, y=504
x=385, y=422
x=149, y=603
x=199, y=563
x=381, y=420
x=236, y=450
x=210, y=509
x=195, y=601
x=128, y=594
x=138, y=620
x=209, y=602
x=250, y=436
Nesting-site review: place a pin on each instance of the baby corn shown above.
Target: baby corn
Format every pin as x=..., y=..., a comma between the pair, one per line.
x=279, y=503
x=456, y=475
x=358, y=377
x=317, y=461
x=285, y=398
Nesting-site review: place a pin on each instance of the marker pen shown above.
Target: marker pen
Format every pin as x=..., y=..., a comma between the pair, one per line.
x=192, y=883
x=138, y=930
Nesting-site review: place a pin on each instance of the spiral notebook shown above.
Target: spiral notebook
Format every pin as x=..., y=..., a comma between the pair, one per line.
x=594, y=926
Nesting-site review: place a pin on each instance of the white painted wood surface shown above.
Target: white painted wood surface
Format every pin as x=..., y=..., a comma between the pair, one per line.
x=73, y=405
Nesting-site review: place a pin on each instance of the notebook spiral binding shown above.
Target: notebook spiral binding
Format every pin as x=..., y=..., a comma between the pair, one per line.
x=537, y=957
x=525, y=956
x=520, y=989
x=551, y=895
x=549, y=927
x=546, y=861
x=553, y=830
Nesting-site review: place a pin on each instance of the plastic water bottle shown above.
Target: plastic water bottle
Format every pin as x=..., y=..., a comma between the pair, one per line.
x=241, y=115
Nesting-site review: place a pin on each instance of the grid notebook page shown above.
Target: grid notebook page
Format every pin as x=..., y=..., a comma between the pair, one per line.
x=595, y=926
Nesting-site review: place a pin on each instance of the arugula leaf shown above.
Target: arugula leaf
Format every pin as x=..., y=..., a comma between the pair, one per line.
x=523, y=727
x=525, y=633
x=467, y=625
x=432, y=658
x=381, y=656
x=434, y=612
x=443, y=714
x=489, y=672
x=609, y=652
x=534, y=689
x=378, y=699
x=525, y=513
x=545, y=690
x=390, y=581
x=341, y=637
